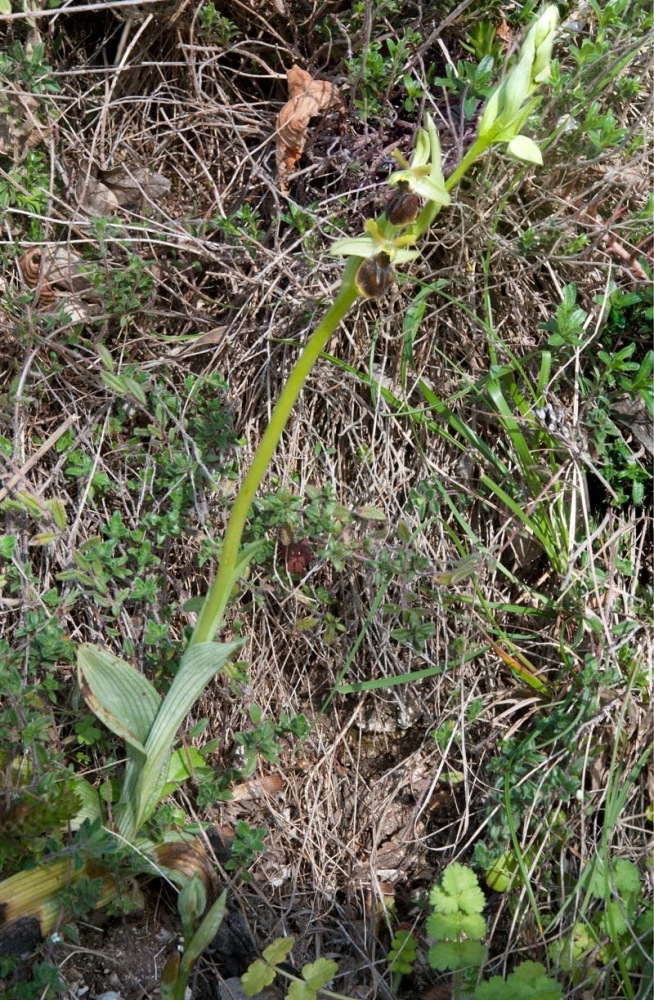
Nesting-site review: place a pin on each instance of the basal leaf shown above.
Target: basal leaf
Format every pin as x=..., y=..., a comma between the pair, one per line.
x=206, y=932
x=121, y=697
x=199, y=664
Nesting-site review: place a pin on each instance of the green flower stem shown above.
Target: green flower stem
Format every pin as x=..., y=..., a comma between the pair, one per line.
x=211, y=613
x=478, y=147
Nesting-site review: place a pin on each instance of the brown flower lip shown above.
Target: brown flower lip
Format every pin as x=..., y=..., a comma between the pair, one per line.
x=403, y=207
x=375, y=276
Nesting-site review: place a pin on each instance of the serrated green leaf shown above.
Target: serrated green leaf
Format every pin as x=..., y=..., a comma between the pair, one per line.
x=317, y=973
x=279, y=950
x=89, y=803
x=459, y=890
x=627, y=877
x=402, y=953
x=257, y=977
x=5, y=6
x=526, y=972
x=528, y=982
x=613, y=919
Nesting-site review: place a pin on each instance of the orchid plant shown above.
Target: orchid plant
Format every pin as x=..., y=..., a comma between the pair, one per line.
x=119, y=695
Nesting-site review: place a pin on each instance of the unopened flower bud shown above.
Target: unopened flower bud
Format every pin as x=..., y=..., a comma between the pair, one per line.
x=544, y=34
x=375, y=276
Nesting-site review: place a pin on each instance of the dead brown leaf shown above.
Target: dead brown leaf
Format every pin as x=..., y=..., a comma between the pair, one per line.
x=59, y=277
x=307, y=97
x=503, y=32
x=133, y=189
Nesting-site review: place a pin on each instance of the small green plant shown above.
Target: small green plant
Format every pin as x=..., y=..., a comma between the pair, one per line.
x=247, y=843
x=215, y=27
x=458, y=928
x=482, y=41
x=315, y=975
x=470, y=80
x=198, y=930
x=456, y=923
x=401, y=956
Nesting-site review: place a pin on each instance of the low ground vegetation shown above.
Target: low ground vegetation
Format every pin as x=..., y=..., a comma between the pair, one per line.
x=427, y=770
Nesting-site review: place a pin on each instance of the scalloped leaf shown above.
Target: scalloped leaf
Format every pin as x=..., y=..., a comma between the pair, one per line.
x=279, y=950
x=627, y=877
x=459, y=890
x=528, y=982
x=317, y=974
x=301, y=991
x=257, y=977
x=402, y=953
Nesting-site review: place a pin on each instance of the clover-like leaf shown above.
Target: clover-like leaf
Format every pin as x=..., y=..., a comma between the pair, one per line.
x=402, y=953
x=279, y=950
x=459, y=890
x=257, y=977
x=317, y=973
